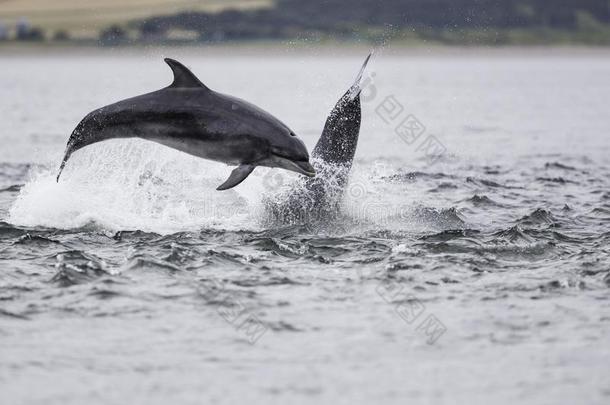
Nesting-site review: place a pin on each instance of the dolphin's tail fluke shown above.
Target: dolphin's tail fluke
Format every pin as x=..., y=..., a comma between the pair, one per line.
x=355, y=90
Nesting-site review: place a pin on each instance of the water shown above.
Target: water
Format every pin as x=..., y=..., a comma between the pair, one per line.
x=481, y=277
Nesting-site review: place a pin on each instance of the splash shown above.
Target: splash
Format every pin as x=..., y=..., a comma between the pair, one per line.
x=132, y=184
x=135, y=185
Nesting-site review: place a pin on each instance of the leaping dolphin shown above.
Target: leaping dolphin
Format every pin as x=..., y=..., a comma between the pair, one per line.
x=191, y=118
x=318, y=198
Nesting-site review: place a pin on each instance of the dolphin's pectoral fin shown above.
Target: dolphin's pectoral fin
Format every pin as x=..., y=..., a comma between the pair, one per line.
x=238, y=175
x=183, y=77
x=63, y=164
x=61, y=169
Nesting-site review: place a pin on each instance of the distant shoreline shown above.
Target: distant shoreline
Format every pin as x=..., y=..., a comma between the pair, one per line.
x=277, y=48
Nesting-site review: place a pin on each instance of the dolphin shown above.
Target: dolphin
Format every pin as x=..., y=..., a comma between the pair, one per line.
x=190, y=117
x=318, y=198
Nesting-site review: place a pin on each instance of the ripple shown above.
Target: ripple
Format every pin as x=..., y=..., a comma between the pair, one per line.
x=487, y=183
x=415, y=176
x=557, y=180
x=482, y=201
x=557, y=165
x=76, y=267
x=444, y=187
x=282, y=247
x=141, y=262
x=273, y=281
x=10, y=314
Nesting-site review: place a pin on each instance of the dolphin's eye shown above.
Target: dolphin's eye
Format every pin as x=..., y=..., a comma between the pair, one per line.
x=292, y=134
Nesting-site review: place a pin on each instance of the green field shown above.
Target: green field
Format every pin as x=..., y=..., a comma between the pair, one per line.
x=88, y=16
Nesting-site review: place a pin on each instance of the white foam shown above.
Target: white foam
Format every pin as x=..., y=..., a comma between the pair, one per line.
x=134, y=184
x=139, y=185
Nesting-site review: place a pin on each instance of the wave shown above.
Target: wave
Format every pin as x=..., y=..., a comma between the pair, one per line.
x=35, y=240
x=8, y=231
x=76, y=267
x=447, y=219
x=538, y=217
x=514, y=235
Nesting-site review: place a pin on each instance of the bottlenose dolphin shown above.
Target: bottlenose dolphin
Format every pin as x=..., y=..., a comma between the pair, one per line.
x=317, y=198
x=190, y=117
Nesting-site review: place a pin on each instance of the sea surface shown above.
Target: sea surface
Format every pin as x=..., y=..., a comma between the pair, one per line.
x=469, y=263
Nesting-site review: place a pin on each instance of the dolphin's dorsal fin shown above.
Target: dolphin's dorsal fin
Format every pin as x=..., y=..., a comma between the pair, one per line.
x=183, y=77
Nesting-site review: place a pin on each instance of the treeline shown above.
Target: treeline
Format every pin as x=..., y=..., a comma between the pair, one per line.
x=340, y=18
x=444, y=13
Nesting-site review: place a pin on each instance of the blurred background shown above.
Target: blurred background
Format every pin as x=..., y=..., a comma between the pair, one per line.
x=407, y=22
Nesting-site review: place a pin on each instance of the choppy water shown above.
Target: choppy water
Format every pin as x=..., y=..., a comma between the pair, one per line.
x=481, y=277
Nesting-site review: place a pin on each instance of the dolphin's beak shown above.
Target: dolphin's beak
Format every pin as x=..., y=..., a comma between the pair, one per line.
x=301, y=166
x=305, y=168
